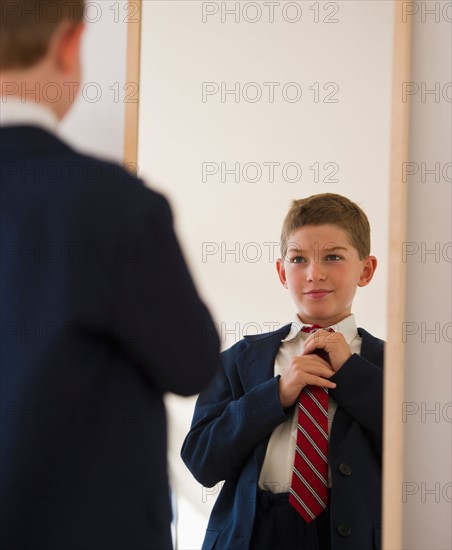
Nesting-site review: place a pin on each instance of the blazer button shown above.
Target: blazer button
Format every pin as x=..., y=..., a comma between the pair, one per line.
x=345, y=468
x=344, y=529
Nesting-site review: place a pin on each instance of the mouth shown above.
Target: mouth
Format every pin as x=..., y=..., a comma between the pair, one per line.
x=317, y=294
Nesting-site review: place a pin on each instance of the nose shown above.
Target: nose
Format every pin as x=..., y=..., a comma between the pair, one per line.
x=315, y=271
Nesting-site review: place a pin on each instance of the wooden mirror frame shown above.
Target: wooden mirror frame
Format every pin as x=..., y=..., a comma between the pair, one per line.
x=394, y=351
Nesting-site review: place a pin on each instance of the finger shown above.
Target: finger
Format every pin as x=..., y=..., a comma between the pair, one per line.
x=311, y=346
x=309, y=362
x=314, y=358
x=321, y=382
x=324, y=372
x=301, y=373
x=317, y=335
x=323, y=336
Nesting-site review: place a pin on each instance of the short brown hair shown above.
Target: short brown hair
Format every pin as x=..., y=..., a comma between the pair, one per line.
x=26, y=27
x=333, y=209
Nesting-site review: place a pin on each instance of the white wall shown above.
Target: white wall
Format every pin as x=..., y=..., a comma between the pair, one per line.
x=427, y=489
x=95, y=124
x=179, y=132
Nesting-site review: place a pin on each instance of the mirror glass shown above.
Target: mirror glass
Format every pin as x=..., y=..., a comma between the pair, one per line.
x=245, y=106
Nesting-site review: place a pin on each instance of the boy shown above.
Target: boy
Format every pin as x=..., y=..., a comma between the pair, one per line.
x=287, y=486
x=92, y=281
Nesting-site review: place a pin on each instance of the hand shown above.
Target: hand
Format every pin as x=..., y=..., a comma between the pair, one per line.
x=333, y=343
x=303, y=370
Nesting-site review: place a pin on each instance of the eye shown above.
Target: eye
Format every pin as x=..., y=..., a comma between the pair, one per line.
x=332, y=258
x=296, y=259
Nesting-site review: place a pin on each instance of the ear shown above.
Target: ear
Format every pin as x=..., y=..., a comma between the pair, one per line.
x=67, y=46
x=369, y=267
x=281, y=272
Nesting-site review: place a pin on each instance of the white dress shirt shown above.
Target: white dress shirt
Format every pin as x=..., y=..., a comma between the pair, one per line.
x=14, y=112
x=276, y=472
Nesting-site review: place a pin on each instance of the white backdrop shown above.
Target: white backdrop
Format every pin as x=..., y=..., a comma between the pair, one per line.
x=223, y=102
x=95, y=124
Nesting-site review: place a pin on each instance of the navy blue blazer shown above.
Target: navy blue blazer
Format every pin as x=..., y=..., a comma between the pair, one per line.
x=99, y=317
x=235, y=416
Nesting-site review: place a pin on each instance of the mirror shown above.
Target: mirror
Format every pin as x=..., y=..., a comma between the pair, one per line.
x=245, y=106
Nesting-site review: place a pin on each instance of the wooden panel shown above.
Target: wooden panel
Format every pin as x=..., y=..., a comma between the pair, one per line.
x=394, y=353
x=132, y=76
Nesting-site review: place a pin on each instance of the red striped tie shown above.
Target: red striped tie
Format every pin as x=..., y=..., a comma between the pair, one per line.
x=309, y=487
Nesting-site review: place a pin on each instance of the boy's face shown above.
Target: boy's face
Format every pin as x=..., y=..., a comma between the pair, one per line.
x=322, y=271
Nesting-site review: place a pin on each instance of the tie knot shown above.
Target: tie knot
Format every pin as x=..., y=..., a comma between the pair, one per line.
x=313, y=328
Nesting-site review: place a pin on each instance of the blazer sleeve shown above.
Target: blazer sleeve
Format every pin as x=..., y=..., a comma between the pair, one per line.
x=359, y=392
x=228, y=423
x=159, y=317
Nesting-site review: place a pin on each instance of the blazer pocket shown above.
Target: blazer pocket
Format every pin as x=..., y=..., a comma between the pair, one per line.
x=210, y=539
x=377, y=537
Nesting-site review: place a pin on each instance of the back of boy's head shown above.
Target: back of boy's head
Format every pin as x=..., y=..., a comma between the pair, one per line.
x=331, y=209
x=27, y=26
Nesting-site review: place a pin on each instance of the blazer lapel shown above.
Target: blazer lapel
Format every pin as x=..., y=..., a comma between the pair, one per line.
x=256, y=364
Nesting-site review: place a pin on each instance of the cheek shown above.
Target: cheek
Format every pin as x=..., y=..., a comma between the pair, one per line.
x=293, y=282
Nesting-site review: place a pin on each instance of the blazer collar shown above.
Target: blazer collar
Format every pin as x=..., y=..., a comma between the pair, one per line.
x=262, y=350
x=22, y=140
x=372, y=348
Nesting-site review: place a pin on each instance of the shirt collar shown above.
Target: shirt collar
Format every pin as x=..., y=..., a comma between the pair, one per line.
x=347, y=327
x=14, y=112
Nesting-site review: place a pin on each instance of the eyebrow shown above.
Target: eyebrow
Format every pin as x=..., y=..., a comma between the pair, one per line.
x=335, y=248
x=332, y=249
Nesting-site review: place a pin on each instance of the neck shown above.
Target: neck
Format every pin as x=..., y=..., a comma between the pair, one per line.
x=25, y=88
x=322, y=322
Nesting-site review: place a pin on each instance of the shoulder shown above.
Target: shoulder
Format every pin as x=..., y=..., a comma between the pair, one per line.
x=99, y=185
x=132, y=193
x=31, y=154
x=107, y=175
x=372, y=348
x=370, y=339
x=83, y=189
